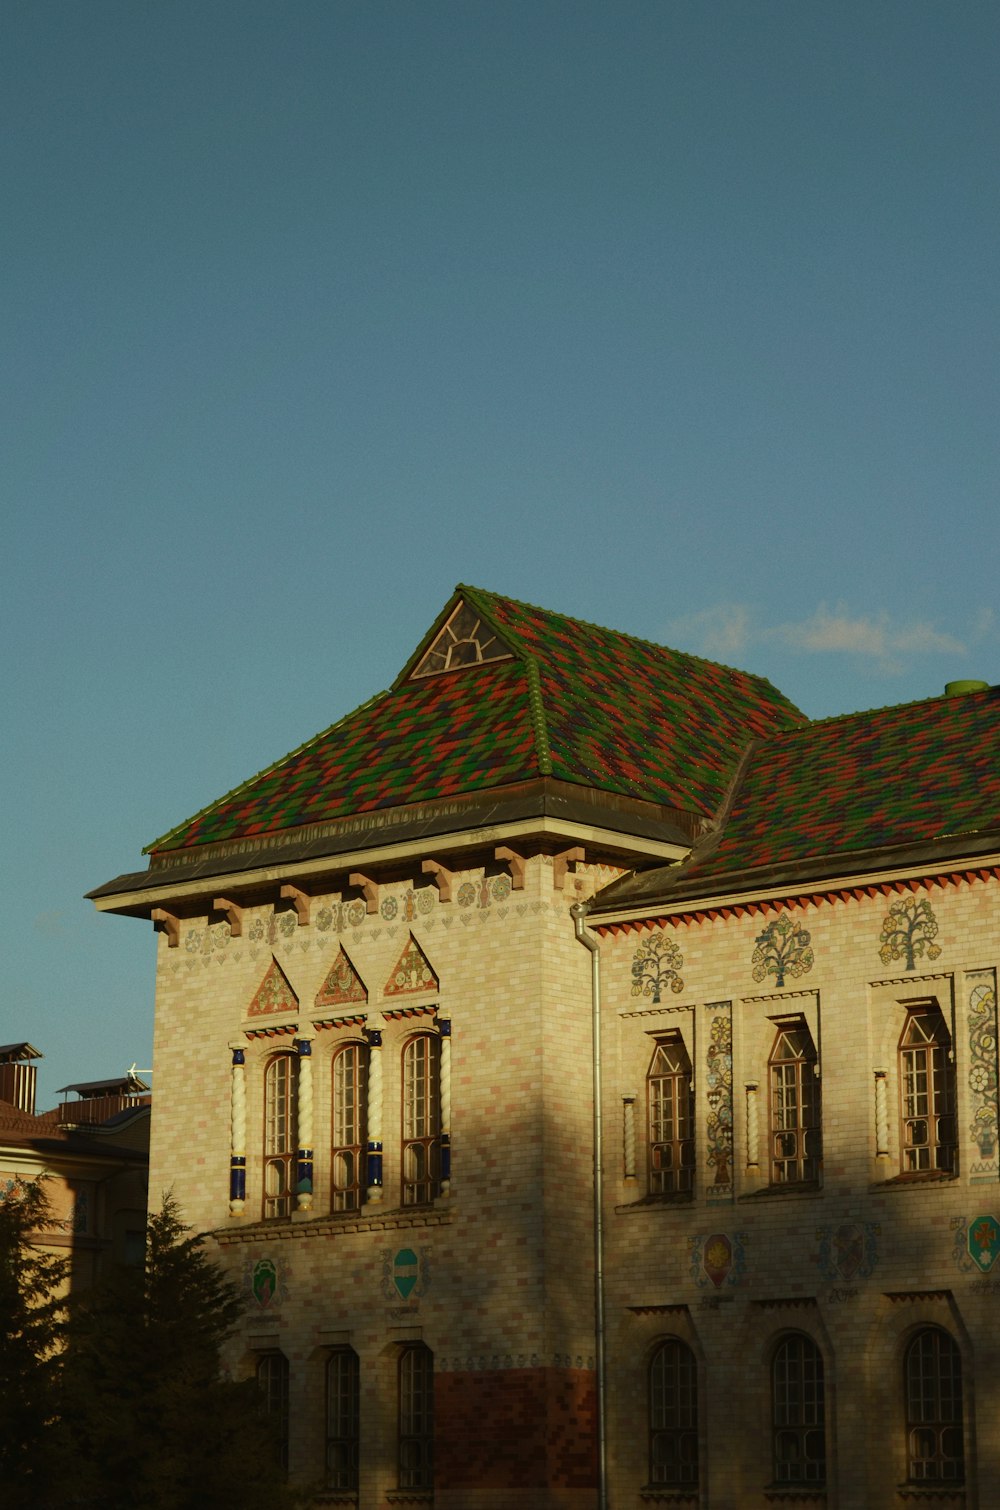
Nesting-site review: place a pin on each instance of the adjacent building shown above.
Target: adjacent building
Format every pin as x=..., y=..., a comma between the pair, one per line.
x=392, y=969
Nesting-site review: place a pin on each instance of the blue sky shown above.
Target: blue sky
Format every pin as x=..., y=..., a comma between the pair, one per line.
x=681, y=317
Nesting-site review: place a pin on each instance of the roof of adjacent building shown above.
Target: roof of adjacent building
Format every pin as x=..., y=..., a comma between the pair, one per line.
x=819, y=798
x=526, y=693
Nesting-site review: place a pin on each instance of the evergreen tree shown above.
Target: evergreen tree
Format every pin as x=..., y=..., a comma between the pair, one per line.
x=149, y=1422
x=31, y=1333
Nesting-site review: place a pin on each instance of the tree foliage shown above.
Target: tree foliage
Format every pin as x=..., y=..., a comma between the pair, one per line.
x=149, y=1419
x=31, y=1335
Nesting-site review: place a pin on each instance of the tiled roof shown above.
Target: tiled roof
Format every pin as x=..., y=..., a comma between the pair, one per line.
x=915, y=774
x=582, y=704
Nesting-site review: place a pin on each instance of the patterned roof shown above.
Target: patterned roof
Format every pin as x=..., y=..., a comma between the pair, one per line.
x=912, y=774
x=583, y=704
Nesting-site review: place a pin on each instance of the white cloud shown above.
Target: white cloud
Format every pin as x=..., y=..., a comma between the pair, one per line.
x=728, y=630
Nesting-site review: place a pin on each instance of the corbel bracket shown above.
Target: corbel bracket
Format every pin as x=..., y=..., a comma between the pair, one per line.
x=516, y=862
x=368, y=889
x=166, y=922
x=234, y=915
x=561, y=862
x=443, y=878
x=300, y=901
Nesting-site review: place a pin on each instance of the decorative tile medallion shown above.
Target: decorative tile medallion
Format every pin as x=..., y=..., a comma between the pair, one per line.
x=984, y=1242
x=264, y=1280
x=656, y=965
x=412, y=972
x=274, y=994
x=782, y=949
x=718, y=1259
x=342, y=984
x=909, y=929
x=849, y=1251
x=404, y=1274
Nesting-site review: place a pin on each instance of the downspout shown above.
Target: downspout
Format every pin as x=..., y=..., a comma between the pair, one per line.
x=578, y=912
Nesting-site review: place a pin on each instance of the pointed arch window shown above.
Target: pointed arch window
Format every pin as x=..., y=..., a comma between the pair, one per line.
x=798, y=1412
x=926, y=1093
x=934, y=1432
x=350, y=1085
x=673, y=1416
x=670, y=1112
x=796, y=1137
x=280, y=1121
x=421, y=1120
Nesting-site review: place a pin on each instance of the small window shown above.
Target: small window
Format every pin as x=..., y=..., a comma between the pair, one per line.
x=272, y=1381
x=421, y=1121
x=798, y=1413
x=350, y=1075
x=465, y=640
x=416, y=1418
x=673, y=1416
x=796, y=1139
x=933, y=1380
x=670, y=1104
x=926, y=1094
x=342, y=1416
x=280, y=1084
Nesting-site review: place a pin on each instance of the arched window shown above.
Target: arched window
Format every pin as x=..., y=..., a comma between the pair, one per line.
x=342, y=1417
x=421, y=1120
x=670, y=1109
x=926, y=1093
x=796, y=1139
x=798, y=1418
x=673, y=1416
x=272, y=1381
x=280, y=1085
x=933, y=1381
x=416, y=1418
x=350, y=1077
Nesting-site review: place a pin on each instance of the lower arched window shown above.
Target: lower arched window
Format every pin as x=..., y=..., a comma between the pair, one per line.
x=798, y=1412
x=673, y=1416
x=342, y=1413
x=933, y=1380
x=272, y=1381
x=416, y=1418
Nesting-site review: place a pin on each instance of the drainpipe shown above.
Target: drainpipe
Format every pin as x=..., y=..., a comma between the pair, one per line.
x=579, y=912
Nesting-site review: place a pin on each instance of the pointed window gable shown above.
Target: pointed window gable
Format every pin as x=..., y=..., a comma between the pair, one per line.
x=274, y=994
x=342, y=986
x=411, y=973
x=465, y=640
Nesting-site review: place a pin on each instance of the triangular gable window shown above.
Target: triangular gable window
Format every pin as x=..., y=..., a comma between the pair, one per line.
x=412, y=972
x=274, y=994
x=465, y=640
x=343, y=984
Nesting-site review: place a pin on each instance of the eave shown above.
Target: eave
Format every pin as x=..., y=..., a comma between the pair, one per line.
x=546, y=810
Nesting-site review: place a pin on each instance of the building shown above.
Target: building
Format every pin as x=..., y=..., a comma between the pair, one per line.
x=381, y=965
x=93, y=1153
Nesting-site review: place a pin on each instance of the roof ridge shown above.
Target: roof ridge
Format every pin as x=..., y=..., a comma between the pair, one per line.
x=633, y=639
x=866, y=713
x=264, y=771
x=536, y=703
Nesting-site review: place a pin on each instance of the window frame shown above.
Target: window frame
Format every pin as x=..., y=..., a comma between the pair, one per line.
x=272, y=1376
x=347, y=1197
x=935, y=1384
x=278, y=1205
x=939, y=1092
x=420, y=1151
x=790, y=1398
x=343, y=1419
x=671, y=1430
x=794, y=1108
x=415, y=1420
x=676, y=1180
